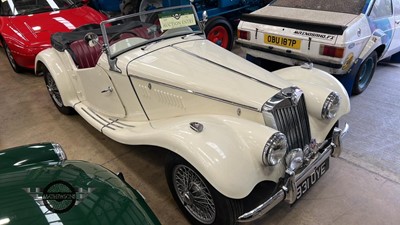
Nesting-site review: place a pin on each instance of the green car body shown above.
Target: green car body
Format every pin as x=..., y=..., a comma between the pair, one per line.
x=39, y=186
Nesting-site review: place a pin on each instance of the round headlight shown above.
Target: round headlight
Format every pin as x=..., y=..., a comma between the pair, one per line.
x=275, y=149
x=331, y=106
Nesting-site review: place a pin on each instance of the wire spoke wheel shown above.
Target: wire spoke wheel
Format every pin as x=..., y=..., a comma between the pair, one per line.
x=53, y=90
x=194, y=194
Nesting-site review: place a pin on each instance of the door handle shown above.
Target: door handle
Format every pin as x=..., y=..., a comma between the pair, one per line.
x=109, y=89
x=397, y=21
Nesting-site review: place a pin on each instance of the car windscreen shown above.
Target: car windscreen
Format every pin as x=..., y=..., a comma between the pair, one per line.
x=26, y=7
x=343, y=6
x=149, y=27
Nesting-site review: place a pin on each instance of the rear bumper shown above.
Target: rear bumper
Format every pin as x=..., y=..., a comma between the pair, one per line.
x=289, y=58
x=288, y=191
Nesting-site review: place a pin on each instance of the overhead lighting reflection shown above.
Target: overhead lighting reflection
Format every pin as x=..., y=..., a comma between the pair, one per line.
x=4, y=221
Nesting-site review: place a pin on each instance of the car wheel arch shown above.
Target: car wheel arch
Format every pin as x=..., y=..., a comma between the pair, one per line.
x=231, y=164
x=58, y=73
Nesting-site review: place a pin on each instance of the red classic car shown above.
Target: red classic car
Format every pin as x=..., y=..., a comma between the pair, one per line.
x=26, y=26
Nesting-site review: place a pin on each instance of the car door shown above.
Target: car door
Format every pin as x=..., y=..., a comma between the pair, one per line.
x=97, y=91
x=382, y=18
x=395, y=43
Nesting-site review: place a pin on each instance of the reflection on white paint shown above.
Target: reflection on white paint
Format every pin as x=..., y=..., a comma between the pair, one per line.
x=216, y=148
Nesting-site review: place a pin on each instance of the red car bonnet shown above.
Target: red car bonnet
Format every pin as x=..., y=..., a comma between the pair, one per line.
x=37, y=28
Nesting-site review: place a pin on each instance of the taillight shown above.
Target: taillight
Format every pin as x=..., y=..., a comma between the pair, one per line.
x=331, y=51
x=243, y=34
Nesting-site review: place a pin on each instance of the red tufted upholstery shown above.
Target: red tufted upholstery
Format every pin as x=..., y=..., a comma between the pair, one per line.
x=85, y=56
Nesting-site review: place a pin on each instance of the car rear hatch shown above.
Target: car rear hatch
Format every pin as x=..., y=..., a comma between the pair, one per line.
x=298, y=31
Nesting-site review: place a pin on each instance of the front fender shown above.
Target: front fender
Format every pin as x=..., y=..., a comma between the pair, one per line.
x=51, y=59
x=317, y=85
x=227, y=152
x=31, y=155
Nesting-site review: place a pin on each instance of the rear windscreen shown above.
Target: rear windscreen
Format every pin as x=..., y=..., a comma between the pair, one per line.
x=343, y=6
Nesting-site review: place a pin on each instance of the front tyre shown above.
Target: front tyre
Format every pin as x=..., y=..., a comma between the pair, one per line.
x=219, y=31
x=365, y=73
x=17, y=68
x=55, y=93
x=199, y=201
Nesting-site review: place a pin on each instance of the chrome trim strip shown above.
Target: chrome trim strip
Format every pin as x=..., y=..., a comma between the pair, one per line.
x=263, y=208
x=199, y=94
x=104, y=125
x=105, y=120
x=227, y=68
x=83, y=109
x=124, y=124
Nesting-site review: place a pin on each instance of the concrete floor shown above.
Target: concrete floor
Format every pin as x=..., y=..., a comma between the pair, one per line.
x=361, y=187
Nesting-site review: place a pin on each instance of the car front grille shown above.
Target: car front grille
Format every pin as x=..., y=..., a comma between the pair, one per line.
x=289, y=111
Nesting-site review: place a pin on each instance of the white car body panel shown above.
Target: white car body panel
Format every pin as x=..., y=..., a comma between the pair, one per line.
x=360, y=38
x=163, y=87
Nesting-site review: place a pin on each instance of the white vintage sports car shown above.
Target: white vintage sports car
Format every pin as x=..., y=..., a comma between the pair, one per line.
x=241, y=139
x=345, y=38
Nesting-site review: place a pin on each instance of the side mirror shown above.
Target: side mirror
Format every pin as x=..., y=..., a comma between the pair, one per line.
x=92, y=39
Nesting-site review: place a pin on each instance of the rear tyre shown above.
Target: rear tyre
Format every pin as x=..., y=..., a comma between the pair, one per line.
x=55, y=94
x=219, y=31
x=199, y=201
x=10, y=57
x=365, y=73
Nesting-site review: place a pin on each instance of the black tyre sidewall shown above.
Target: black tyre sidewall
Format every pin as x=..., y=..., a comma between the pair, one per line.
x=130, y=6
x=220, y=21
x=227, y=210
x=17, y=68
x=356, y=88
x=66, y=110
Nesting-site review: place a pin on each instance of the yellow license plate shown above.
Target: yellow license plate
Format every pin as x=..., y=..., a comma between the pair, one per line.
x=282, y=41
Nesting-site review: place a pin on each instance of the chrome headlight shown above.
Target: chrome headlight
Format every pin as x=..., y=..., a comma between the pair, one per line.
x=331, y=106
x=275, y=149
x=60, y=152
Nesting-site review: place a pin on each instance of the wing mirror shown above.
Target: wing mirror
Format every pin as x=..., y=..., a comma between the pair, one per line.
x=92, y=39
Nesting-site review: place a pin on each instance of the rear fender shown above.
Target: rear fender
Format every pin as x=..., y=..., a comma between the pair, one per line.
x=373, y=43
x=51, y=59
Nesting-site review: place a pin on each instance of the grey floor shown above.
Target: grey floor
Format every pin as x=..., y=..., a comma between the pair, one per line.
x=361, y=187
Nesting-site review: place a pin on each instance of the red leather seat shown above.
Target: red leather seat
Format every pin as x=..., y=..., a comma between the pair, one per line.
x=83, y=55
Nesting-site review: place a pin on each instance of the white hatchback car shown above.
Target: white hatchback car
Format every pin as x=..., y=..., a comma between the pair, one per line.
x=241, y=139
x=344, y=38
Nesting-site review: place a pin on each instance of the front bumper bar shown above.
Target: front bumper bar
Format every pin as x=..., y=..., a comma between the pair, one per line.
x=288, y=191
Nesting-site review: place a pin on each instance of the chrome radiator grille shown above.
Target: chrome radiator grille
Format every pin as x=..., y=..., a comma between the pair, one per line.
x=289, y=111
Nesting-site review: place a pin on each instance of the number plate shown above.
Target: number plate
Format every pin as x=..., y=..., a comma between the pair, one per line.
x=282, y=41
x=312, y=179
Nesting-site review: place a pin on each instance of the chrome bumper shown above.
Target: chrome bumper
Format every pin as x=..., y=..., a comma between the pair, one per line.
x=288, y=191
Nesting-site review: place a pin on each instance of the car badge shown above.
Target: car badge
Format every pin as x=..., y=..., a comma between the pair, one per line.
x=196, y=126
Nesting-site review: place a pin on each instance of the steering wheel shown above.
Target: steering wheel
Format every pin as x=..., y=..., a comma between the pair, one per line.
x=117, y=35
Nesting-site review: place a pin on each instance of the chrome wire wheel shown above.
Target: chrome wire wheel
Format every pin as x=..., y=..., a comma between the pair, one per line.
x=194, y=194
x=53, y=90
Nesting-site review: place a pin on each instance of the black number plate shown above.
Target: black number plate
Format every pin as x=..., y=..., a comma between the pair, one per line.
x=312, y=179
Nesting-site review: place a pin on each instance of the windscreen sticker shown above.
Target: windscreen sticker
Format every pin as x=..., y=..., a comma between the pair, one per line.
x=177, y=20
x=314, y=35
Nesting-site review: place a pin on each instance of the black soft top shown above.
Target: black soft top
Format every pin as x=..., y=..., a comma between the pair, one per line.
x=61, y=40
